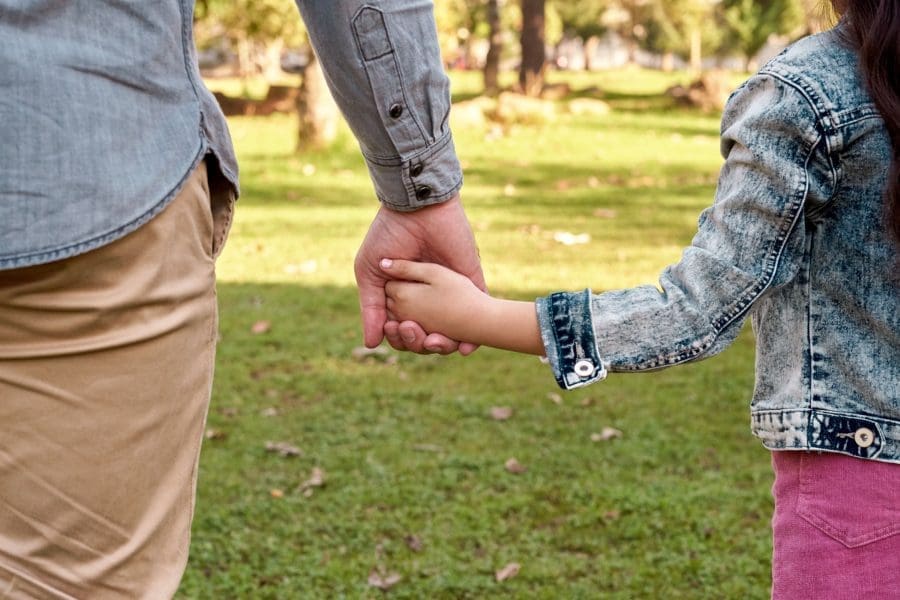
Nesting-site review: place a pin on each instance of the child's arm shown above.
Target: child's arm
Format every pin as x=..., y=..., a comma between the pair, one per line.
x=445, y=302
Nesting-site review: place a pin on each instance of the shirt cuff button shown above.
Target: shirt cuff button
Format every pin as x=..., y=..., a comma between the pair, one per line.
x=423, y=192
x=416, y=169
x=584, y=368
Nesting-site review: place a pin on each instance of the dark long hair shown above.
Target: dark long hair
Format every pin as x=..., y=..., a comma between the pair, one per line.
x=875, y=29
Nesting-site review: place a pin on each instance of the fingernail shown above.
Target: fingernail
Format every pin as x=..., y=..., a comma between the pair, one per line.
x=386, y=263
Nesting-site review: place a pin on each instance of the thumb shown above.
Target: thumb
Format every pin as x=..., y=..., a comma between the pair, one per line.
x=370, y=284
x=407, y=270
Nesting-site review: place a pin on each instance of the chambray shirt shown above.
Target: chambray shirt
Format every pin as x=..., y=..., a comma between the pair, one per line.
x=797, y=239
x=103, y=114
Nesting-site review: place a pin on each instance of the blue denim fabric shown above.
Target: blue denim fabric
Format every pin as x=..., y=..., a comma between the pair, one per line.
x=103, y=114
x=797, y=239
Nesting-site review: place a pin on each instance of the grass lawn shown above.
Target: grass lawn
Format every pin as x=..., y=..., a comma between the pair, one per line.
x=414, y=477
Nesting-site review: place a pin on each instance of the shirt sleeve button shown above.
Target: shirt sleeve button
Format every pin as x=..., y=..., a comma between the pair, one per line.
x=416, y=169
x=395, y=111
x=584, y=368
x=423, y=192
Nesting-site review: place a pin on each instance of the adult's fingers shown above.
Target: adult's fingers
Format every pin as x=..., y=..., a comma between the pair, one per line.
x=372, y=307
x=437, y=343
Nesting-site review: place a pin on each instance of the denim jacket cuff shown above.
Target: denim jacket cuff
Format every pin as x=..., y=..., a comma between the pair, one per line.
x=409, y=183
x=567, y=331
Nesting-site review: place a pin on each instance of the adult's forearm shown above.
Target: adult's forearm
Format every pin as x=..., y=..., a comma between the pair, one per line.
x=383, y=65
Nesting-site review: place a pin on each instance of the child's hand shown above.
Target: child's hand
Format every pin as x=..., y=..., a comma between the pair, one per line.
x=438, y=299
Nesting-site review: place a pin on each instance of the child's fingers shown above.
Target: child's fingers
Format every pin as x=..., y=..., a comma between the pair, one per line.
x=409, y=270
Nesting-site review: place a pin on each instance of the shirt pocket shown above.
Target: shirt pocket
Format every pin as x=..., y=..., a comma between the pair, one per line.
x=851, y=500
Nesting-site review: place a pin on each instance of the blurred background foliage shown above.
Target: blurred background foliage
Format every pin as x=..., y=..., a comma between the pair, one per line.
x=255, y=37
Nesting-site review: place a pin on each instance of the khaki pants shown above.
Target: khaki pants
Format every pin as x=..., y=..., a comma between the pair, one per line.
x=106, y=363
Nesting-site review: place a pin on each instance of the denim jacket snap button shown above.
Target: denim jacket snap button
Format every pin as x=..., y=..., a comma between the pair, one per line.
x=864, y=437
x=584, y=368
x=396, y=111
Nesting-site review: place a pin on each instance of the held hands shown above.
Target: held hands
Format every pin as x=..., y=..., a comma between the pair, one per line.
x=439, y=234
x=442, y=300
x=435, y=297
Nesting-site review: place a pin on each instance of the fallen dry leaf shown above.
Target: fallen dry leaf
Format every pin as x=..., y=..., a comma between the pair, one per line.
x=316, y=480
x=508, y=572
x=612, y=515
x=554, y=398
x=414, y=543
x=215, y=434
x=427, y=448
x=606, y=434
x=383, y=353
x=605, y=213
x=269, y=412
x=284, y=449
x=306, y=267
x=261, y=327
x=501, y=413
x=276, y=493
x=383, y=581
x=567, y=238
x=514, y=466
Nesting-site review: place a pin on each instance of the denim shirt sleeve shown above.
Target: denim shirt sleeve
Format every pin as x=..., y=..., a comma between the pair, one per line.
x=382, y=62
x=750, y=242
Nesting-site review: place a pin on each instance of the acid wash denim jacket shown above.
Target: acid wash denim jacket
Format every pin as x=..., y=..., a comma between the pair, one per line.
x=797, y=239
x=103, y=115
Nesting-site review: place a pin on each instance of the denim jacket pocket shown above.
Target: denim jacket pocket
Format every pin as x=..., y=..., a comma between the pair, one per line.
x=852, y=501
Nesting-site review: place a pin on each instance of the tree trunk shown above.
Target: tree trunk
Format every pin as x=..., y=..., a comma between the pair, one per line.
x=590, y=49
x=531, y=72
x=495, y=49
x=272, y=61
x=668, y=62
x=696, y=50
x=318, y=113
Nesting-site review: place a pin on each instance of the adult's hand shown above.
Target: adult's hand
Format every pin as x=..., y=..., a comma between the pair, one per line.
x=440, y=234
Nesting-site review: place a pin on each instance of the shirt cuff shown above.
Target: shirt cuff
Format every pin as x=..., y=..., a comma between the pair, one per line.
x=567, y=331
x=409, y=183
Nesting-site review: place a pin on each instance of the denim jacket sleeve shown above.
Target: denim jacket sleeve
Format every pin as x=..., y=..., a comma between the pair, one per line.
x=749, y=243
x=383, y=65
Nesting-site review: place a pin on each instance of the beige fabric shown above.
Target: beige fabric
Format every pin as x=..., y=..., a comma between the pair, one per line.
x=106, y=363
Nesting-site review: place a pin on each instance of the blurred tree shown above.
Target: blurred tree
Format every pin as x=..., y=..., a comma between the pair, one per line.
x=317, y=112
x=583, y=19
x=750, y=23
x=495, y=49
x=460, y=23
x=684, y=28
x=629, y=19
x=534, y=56
x=257, y=30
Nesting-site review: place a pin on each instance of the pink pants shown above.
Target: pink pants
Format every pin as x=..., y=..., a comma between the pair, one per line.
x=836, y=527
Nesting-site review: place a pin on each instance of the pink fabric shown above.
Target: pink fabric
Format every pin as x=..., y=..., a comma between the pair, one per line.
x=836, y=527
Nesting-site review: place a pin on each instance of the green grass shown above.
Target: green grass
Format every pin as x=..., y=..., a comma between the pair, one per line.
x=676, y=508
